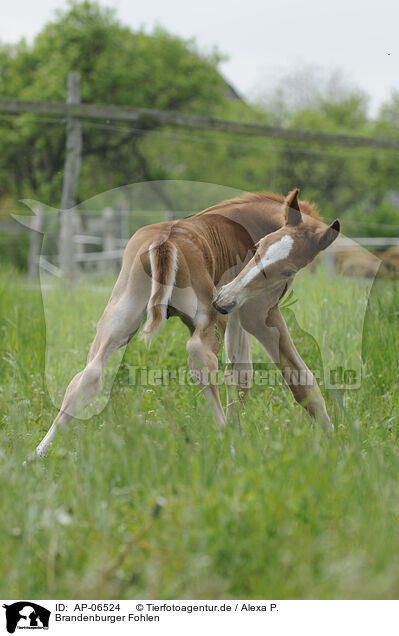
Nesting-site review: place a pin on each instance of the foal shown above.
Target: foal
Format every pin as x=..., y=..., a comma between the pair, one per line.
x=256, y=291
x=174, y=269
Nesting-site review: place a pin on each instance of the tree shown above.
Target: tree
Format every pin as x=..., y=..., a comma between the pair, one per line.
x=310, y=88
x=387, y=122
x=118, y=66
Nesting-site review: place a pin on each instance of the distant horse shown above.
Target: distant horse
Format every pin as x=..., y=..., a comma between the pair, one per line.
x=249, y=248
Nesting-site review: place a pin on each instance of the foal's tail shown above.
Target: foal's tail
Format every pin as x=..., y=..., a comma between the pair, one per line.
x=163, y=260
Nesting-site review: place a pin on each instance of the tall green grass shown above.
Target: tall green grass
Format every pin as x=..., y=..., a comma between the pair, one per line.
x=148, y=499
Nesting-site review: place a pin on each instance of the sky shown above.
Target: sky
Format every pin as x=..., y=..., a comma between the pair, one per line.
x=263, y=40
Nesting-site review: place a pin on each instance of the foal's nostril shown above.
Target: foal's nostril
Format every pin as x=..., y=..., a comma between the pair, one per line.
x=224, y=309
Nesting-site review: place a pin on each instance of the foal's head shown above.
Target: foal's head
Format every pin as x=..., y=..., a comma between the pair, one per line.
x=278, y=257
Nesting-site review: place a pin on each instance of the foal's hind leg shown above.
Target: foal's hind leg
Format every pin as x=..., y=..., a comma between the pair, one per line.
x=202, y=349
x=238, y=373
x=119, y=322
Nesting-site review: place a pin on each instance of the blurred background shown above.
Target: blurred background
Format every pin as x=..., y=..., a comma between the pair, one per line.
x=328, y=68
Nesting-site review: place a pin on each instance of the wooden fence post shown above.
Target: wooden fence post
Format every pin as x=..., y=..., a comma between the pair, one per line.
x=108, y=221
x=78, y=248
x=71, y=175
x=108, y=217
x=35, y=243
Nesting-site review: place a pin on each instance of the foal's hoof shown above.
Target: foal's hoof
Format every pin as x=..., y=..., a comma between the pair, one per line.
x=32, y=457
x=328, y=428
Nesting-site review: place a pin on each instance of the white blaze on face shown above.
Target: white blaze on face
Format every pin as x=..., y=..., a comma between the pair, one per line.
x=276, y=252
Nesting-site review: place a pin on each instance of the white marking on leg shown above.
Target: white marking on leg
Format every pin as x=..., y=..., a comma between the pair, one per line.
x=166, y=292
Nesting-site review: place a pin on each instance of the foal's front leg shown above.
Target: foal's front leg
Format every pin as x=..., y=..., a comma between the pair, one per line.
x=273, y=334
x=238, y=373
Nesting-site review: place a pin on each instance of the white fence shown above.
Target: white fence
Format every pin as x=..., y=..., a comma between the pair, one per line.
x=108, y=233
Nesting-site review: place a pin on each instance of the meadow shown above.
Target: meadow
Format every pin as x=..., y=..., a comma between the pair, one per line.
x=147, y=499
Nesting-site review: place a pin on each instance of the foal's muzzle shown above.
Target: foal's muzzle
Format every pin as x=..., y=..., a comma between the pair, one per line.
x=223, y=308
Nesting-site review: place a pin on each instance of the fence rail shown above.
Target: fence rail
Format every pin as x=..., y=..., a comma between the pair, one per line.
x=152, y=118
x=72, y=251
x=366, y=241
x=114, y=247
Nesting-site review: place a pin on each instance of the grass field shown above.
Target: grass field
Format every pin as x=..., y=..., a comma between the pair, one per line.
x=148, y=500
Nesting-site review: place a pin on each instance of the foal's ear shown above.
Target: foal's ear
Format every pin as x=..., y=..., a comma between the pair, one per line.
x=292, y=213
x=328, y=236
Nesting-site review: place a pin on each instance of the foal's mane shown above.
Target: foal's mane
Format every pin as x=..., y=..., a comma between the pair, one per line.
x=306, y=206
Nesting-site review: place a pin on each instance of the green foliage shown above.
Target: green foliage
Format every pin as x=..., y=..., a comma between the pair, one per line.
x=14, y=249
x=382, y=221
x=149, y=500
x=387, y=123
x=118, y=66
x=159, y=70
x=347, y=115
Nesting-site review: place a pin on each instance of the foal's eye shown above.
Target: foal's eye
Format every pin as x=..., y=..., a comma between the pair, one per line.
x=288, y=273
